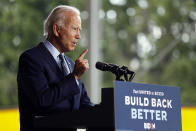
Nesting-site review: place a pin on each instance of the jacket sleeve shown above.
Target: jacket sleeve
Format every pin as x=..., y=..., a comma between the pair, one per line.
x=85, y=100
x=34, y=84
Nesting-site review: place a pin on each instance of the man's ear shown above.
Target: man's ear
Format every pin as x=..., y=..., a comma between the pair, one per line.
x=56, y=30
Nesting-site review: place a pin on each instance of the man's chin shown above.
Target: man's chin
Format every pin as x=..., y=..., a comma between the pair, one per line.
x=71, y=49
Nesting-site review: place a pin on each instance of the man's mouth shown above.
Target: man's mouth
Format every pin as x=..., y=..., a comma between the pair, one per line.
x=75, y=43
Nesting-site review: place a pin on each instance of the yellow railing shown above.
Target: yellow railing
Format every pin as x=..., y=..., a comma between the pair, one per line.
x=9, y=119
x=188, y=118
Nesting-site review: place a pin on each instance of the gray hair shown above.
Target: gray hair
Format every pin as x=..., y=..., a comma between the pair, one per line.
x=57, y=15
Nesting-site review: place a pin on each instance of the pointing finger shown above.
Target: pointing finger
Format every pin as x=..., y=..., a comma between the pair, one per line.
x=83, y=54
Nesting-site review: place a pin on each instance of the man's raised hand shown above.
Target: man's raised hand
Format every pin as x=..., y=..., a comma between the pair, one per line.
x=81, y=65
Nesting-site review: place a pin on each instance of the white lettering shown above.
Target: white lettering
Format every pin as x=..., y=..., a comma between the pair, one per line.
x=136, y=101
x=133, y=113
x=127, y=100
x=158, y=115
x=151, y=111
x=140, y=114
x=148, y=114
x=169, y=103
x=164, y=103
x=161, y=103
x=164, y=115
x=133, y=101
x=145, y=112
x=146, y=101
x=153, y=102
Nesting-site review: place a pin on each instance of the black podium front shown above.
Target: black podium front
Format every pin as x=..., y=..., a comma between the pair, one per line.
x=100, y=116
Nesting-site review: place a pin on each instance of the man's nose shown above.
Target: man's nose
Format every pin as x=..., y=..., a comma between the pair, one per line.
x=78, y=35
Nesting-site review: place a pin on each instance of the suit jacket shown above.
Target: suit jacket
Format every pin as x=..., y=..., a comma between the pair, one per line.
x=42, y=88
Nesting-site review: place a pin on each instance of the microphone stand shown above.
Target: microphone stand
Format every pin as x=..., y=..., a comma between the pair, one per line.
x=123, y=71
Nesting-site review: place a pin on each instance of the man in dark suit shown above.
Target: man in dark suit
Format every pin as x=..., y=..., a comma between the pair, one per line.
x=49, y=81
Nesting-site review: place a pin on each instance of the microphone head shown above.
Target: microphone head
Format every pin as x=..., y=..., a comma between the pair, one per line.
x=101, y=66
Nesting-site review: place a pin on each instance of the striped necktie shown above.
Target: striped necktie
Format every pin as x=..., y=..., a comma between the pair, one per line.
x=64, y=65
x=66, y=71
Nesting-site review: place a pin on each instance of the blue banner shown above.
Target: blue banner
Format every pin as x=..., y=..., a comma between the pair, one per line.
x=143, y=107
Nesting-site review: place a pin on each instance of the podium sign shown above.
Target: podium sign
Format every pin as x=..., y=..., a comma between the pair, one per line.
x=143, y=107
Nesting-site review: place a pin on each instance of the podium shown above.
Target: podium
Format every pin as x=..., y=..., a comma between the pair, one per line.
x=126, y=107
x=101, y=116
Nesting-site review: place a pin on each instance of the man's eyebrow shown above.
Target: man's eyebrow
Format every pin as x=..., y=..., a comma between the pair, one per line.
x=77, y=26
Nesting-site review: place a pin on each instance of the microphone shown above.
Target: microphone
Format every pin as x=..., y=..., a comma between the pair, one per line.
x=109, y=67
x=102, y=66
x=106, y=67
x=118, y=71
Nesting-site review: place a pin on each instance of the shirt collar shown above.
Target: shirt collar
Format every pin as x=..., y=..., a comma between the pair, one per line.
x=54, y=52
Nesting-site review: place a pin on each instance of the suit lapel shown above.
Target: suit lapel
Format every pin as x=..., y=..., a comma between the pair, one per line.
x=52, y=62
x=49, y=58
